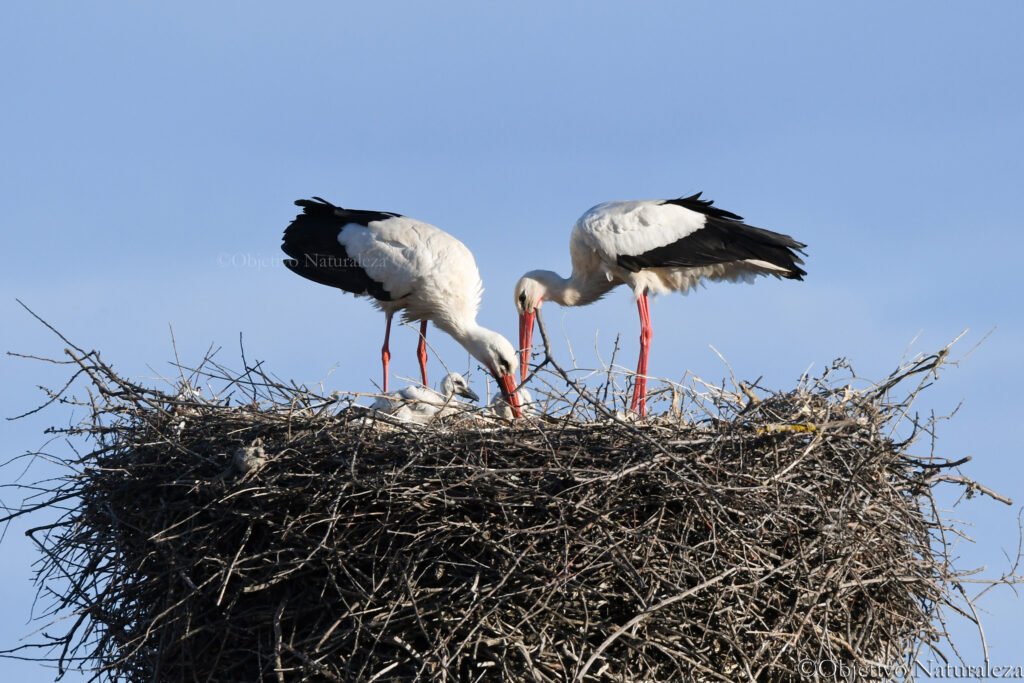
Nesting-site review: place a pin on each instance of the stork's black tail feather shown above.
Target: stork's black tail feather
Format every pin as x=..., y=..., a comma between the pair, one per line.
x=311, y=240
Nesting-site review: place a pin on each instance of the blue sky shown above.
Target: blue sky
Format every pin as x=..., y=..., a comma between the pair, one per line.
x=151, y=155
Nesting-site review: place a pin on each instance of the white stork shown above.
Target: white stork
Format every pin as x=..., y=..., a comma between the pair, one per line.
x=421, y=404
x=500, y=407
x=655, y=246
x=403, y=265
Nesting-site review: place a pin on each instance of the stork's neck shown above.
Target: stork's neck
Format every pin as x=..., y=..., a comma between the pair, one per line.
x=576, y=290
x=463, y=331
x=475, y=338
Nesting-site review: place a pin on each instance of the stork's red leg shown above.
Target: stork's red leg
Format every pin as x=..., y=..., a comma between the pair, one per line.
x=639, y=404
x=421, y=351
x=646, y=332
x=639, y=363
x=385, y=354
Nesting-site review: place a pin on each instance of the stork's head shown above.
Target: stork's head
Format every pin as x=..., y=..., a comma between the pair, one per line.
x=455, y=384
x=498, y=356
x=529, y=295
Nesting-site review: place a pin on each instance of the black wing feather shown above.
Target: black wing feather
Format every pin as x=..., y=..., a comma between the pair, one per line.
x=316, y=254
x=723, y=239
x=704, y=206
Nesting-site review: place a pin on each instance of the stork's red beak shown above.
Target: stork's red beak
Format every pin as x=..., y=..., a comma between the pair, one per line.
x=525, y=342
x=508, y=388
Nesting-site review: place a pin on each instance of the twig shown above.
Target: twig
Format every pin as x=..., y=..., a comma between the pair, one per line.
x=645, y=614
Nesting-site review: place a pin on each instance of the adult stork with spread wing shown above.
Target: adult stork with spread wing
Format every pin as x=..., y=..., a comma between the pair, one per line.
x=655, y=246
x=402, y=265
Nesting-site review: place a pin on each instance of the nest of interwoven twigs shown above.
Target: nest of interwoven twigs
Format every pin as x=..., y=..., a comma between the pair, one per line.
x=269, y=533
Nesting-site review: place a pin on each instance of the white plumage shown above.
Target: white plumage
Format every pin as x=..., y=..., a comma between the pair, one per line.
x=420, y=405
x=403, y=265
x=654, y=246
x=419, y=266
x=625, y=227
x=500, y=407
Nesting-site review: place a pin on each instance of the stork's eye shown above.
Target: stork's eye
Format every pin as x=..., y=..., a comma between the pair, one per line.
x=522, y=298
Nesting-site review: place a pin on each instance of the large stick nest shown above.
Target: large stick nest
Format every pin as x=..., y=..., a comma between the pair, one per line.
x=289, y=537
